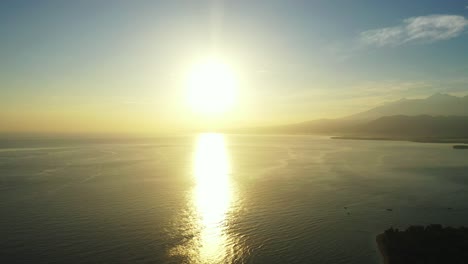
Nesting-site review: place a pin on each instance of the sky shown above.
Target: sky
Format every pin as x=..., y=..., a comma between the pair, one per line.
x=121, y=66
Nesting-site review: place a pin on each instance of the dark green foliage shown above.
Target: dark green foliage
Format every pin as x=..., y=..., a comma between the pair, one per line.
x=430, y=244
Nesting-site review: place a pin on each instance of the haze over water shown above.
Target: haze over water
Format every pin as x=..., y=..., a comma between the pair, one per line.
x=214, y=198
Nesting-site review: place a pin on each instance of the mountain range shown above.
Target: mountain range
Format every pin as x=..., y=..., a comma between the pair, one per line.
x=434, y=105
x=437, y=116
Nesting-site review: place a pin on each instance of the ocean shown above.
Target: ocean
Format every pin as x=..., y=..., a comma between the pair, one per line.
x=214, y=198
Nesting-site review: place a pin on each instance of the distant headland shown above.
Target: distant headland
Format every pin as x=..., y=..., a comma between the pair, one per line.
x=460, y=146
x=439, y=118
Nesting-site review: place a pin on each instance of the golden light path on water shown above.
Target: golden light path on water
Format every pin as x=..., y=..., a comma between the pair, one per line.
x=213, y=198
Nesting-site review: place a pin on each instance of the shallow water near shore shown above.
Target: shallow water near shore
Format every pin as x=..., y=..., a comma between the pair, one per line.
x=214, y=198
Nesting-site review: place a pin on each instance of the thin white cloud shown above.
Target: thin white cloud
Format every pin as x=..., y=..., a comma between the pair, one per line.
x=417, y=29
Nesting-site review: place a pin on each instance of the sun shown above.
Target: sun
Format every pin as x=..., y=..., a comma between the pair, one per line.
x=211, y=87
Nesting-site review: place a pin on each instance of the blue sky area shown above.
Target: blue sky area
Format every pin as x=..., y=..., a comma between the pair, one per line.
x=296, y=60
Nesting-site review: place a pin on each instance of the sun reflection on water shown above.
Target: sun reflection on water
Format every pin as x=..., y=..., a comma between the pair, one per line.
x=212, y=197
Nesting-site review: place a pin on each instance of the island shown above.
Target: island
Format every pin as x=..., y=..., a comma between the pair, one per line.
x=418, y=140
x=424, y=244
x=460, y=146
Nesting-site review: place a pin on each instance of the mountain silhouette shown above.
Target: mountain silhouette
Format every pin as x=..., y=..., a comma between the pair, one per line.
x=437, y=116
x=435, y=105
x=414, y=127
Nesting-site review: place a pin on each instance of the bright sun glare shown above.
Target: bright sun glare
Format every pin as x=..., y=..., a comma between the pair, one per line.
x=211, y=87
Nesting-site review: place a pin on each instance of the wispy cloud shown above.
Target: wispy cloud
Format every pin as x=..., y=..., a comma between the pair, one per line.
x=417, y=29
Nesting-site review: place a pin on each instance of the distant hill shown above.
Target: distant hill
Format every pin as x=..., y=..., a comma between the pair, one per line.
x=397, y=127
x=423, y=126
x=435, y=105
x=438, y=116
x=320, y=126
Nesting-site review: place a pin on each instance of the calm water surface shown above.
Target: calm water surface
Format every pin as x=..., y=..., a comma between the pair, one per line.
x=215, y=198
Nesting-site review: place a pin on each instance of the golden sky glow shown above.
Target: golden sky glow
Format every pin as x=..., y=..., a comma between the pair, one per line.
x=170, y=66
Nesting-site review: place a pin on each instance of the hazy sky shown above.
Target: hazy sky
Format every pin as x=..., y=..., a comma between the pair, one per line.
x=121, y=66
